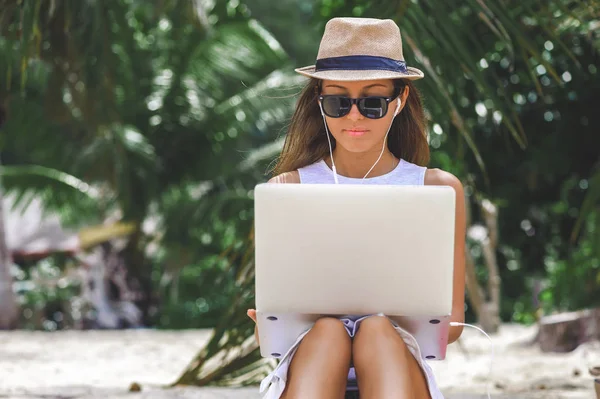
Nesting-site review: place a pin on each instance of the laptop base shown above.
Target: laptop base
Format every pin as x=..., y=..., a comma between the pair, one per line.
x=279, y=331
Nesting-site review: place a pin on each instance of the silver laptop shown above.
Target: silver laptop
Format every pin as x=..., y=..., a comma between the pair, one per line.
x=328, y=249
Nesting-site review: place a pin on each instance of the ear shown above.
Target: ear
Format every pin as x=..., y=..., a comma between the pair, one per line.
x=402, y=100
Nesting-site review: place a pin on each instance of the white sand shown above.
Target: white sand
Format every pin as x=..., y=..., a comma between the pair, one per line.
x=94, y=364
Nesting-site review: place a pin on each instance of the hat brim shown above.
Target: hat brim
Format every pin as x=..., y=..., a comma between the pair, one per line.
x=345, y=75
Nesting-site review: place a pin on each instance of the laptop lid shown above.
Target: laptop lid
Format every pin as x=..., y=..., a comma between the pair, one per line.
x=354, y=249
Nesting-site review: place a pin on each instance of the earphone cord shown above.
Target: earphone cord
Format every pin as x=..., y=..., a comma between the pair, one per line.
x=335, y=177
x=380, y=154
x=491, y=350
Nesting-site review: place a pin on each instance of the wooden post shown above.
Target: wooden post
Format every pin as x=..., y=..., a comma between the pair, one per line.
x=486, y=309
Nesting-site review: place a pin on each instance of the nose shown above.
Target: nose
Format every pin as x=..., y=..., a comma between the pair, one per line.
x=354, y=113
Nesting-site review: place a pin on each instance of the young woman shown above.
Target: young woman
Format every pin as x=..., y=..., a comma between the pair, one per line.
x=360, y=120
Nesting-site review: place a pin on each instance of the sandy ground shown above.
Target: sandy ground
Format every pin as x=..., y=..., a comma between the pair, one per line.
x=102, y=364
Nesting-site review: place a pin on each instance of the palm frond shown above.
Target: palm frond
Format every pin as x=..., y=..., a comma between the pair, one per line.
x=258, y=114
x=74, y=199
x=236, y=54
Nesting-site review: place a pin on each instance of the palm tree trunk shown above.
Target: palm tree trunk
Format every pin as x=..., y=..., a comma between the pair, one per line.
x=8, y=305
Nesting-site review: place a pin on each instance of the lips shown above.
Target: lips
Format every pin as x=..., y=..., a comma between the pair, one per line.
x=356, y=132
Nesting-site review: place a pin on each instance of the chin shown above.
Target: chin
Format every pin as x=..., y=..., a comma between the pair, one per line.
x=356, y=146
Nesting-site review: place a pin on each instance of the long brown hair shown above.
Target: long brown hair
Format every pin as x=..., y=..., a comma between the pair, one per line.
x=306, y=142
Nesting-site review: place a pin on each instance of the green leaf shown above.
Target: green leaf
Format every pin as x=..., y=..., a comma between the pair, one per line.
x=591, y=201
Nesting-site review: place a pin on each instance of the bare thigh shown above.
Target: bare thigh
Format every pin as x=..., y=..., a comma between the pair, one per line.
x=319, y=368
x=385, y=367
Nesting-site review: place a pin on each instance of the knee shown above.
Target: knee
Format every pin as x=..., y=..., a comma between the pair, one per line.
x=329, y=328
x=374, y=331
x=375, y=325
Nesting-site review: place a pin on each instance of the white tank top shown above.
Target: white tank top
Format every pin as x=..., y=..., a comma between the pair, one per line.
x=405, y=173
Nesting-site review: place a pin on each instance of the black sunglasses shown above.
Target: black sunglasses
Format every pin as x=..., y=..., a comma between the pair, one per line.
x=371, y=107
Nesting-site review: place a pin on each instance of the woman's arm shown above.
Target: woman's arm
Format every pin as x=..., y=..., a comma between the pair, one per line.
x=437, y=177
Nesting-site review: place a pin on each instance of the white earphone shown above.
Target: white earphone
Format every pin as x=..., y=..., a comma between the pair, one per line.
x=398, y=107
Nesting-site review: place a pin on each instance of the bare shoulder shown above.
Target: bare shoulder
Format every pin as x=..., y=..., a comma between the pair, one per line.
x=438, y=177
x=292, y=177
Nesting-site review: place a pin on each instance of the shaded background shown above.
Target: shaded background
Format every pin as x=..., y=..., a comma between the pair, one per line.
x=133, y=132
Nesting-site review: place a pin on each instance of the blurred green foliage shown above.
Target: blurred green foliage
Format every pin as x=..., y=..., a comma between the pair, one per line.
x=47, y=297
x=172, y=110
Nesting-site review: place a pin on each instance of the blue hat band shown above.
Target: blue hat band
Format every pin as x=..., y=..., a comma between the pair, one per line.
x=360, y=63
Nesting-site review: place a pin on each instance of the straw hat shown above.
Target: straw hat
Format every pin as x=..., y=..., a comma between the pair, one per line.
x=355, y=49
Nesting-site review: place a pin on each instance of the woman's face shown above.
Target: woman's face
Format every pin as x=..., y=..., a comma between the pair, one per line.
x=354, y=131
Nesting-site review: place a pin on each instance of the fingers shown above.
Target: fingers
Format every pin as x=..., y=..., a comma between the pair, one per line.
x=252, y=314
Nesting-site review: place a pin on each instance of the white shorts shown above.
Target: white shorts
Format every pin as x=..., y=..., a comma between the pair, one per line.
x=273, y=385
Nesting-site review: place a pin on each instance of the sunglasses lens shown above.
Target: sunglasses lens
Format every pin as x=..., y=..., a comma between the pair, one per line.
x=336, y=106
x=373, y=107
x=370, y=107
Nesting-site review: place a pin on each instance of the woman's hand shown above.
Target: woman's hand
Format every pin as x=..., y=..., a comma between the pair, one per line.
x=252, y=314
